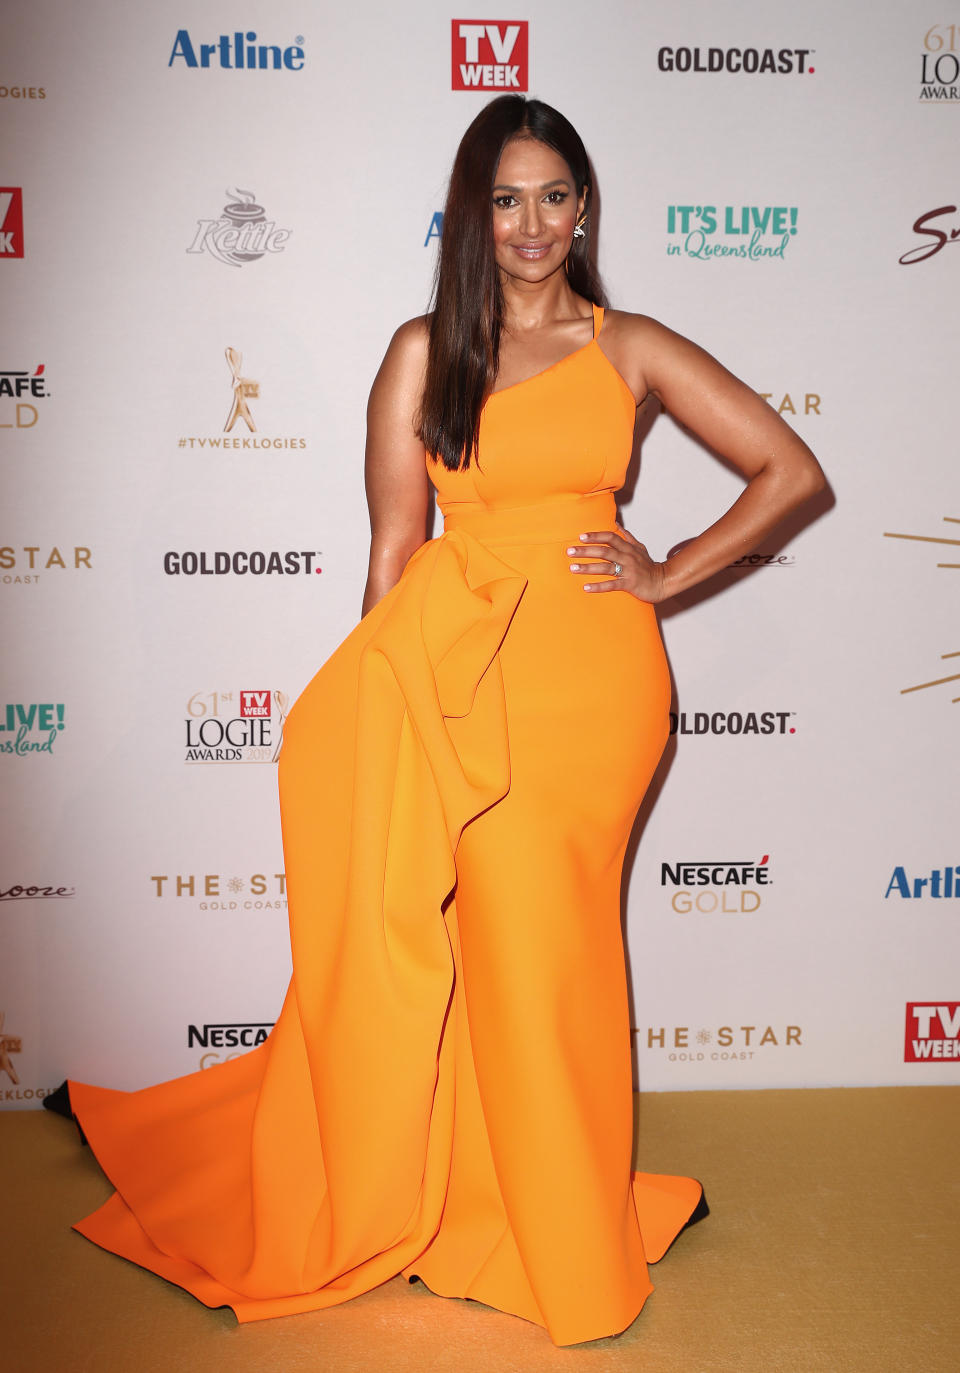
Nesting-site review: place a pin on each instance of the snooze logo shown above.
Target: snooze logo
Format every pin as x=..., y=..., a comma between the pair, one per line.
x=489, y=55
x=932, y=1031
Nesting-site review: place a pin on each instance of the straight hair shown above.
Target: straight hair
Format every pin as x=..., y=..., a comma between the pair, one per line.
x=467, y=301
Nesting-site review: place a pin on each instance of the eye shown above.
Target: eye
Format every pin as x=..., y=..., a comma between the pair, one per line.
x=504, y=202
x=556, y=197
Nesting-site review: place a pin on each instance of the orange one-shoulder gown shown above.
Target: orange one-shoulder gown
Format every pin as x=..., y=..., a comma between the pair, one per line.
x=447, y=1089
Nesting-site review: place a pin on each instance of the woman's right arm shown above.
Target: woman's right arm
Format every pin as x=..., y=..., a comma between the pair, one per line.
x=395, y=472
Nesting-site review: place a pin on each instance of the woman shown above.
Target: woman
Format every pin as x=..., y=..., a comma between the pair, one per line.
x=447, y=1090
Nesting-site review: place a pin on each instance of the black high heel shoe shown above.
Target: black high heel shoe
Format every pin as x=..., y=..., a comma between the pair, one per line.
x=59, y=1102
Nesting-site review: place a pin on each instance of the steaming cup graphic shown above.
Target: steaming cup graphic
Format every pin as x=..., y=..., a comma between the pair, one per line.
x=242, y=213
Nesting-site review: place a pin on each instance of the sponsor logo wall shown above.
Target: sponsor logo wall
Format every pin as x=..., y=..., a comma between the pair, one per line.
x=188, y=354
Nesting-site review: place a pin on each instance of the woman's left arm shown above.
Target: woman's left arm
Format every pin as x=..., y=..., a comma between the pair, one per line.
x=703, y=396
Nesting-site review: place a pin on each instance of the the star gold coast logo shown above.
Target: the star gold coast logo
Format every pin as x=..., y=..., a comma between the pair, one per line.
x=9, y=1044
x=954, y=566
x=244, y=390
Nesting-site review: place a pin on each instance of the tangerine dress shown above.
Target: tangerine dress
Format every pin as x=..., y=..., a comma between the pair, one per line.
x=447, y=1089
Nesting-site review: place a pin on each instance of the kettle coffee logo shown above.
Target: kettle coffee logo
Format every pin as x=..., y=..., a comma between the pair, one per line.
x=9, y=1044
x=751, y=232
x=489, y=56
x=214, y=892
x=730, y=1043
x=727, y=886
x=244, y=390
x=252, y=734
x=734, y=721
x=939, y=64
x=242, y=233
x=932, y=1031
x=22, y=566
x=751, y=61
x=237, y=1038
x=952, y=543
x=19, y=893
x=942, y=883
x=11, y=221
x=934, y=236
x=14, y=386
x=243, y=53
x=35, y=727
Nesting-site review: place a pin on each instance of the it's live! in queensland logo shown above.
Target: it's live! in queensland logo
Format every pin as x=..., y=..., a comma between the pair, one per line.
x=750, y=232
x=932, y=1031
x=490, y=55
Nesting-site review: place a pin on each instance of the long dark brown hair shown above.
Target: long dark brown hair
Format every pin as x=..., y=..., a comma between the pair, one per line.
x=468, y=309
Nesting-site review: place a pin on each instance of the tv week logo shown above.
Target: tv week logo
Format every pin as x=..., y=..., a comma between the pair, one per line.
x=932, y=1031
x=11, y=221
x=489, y=55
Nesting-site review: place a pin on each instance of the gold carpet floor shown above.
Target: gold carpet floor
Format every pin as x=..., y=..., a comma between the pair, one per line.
x=833, y=1244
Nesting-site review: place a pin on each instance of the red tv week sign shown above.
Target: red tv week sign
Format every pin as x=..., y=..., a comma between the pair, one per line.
x=489, y=54
x=932, y=1032
x=11, y=221
x=254, y=705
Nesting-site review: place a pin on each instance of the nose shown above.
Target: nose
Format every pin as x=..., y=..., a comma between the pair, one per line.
x=530, y=221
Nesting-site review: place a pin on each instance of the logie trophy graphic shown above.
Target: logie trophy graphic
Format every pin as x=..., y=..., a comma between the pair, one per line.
x=243, y=390
x=9, y=1044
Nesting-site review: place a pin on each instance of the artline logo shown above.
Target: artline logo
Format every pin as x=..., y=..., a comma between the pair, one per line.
x=237, y=1038
x=436, y=228
x=237, y=52
x=748, y=231
x=733, y=1043
x=942, y=884
x=489, y=55
x=215, y=734
x=737, y=61
x=811, y=403
x=952, y=567
x=244, y=390
x=35, y=727
x=932, y=1031
x=22, y=566
x=723, y=885
x=11, y=221
x=255, y=564
x=214, y=892
x=242, y=233
x=939, y=65
x=733, y=722
x=934, y=236
x=18, y=893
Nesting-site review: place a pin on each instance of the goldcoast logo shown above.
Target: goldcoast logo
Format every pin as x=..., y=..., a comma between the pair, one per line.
x=750, y=232
x=932, y=1031
x=944, y=657
x=725, y=886
x=217, y=733
x=734, y=721
x=751, y=61
x=244, y=390
x=242, y=233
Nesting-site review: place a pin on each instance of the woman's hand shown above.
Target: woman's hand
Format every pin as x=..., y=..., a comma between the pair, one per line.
x=604, y=550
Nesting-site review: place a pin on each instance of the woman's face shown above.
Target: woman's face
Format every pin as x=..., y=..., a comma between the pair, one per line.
x=535, y=208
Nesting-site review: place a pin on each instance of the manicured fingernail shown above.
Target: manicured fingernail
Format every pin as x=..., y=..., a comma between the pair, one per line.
x=574, y=567
x=571, y=550
x=584, y=536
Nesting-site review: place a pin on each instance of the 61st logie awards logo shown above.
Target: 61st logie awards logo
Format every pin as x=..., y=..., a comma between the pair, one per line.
x=242, y=233
x=216, y=732
x=240, y=417
x=939, y=64
x=952, y=543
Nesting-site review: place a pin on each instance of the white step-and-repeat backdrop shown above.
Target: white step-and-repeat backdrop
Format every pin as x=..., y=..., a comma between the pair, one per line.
x=213, y=217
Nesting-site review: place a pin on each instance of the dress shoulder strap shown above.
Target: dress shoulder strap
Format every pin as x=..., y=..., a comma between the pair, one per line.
x=597, y=319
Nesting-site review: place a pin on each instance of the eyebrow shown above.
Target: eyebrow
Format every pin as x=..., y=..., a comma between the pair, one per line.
x=547, y=185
